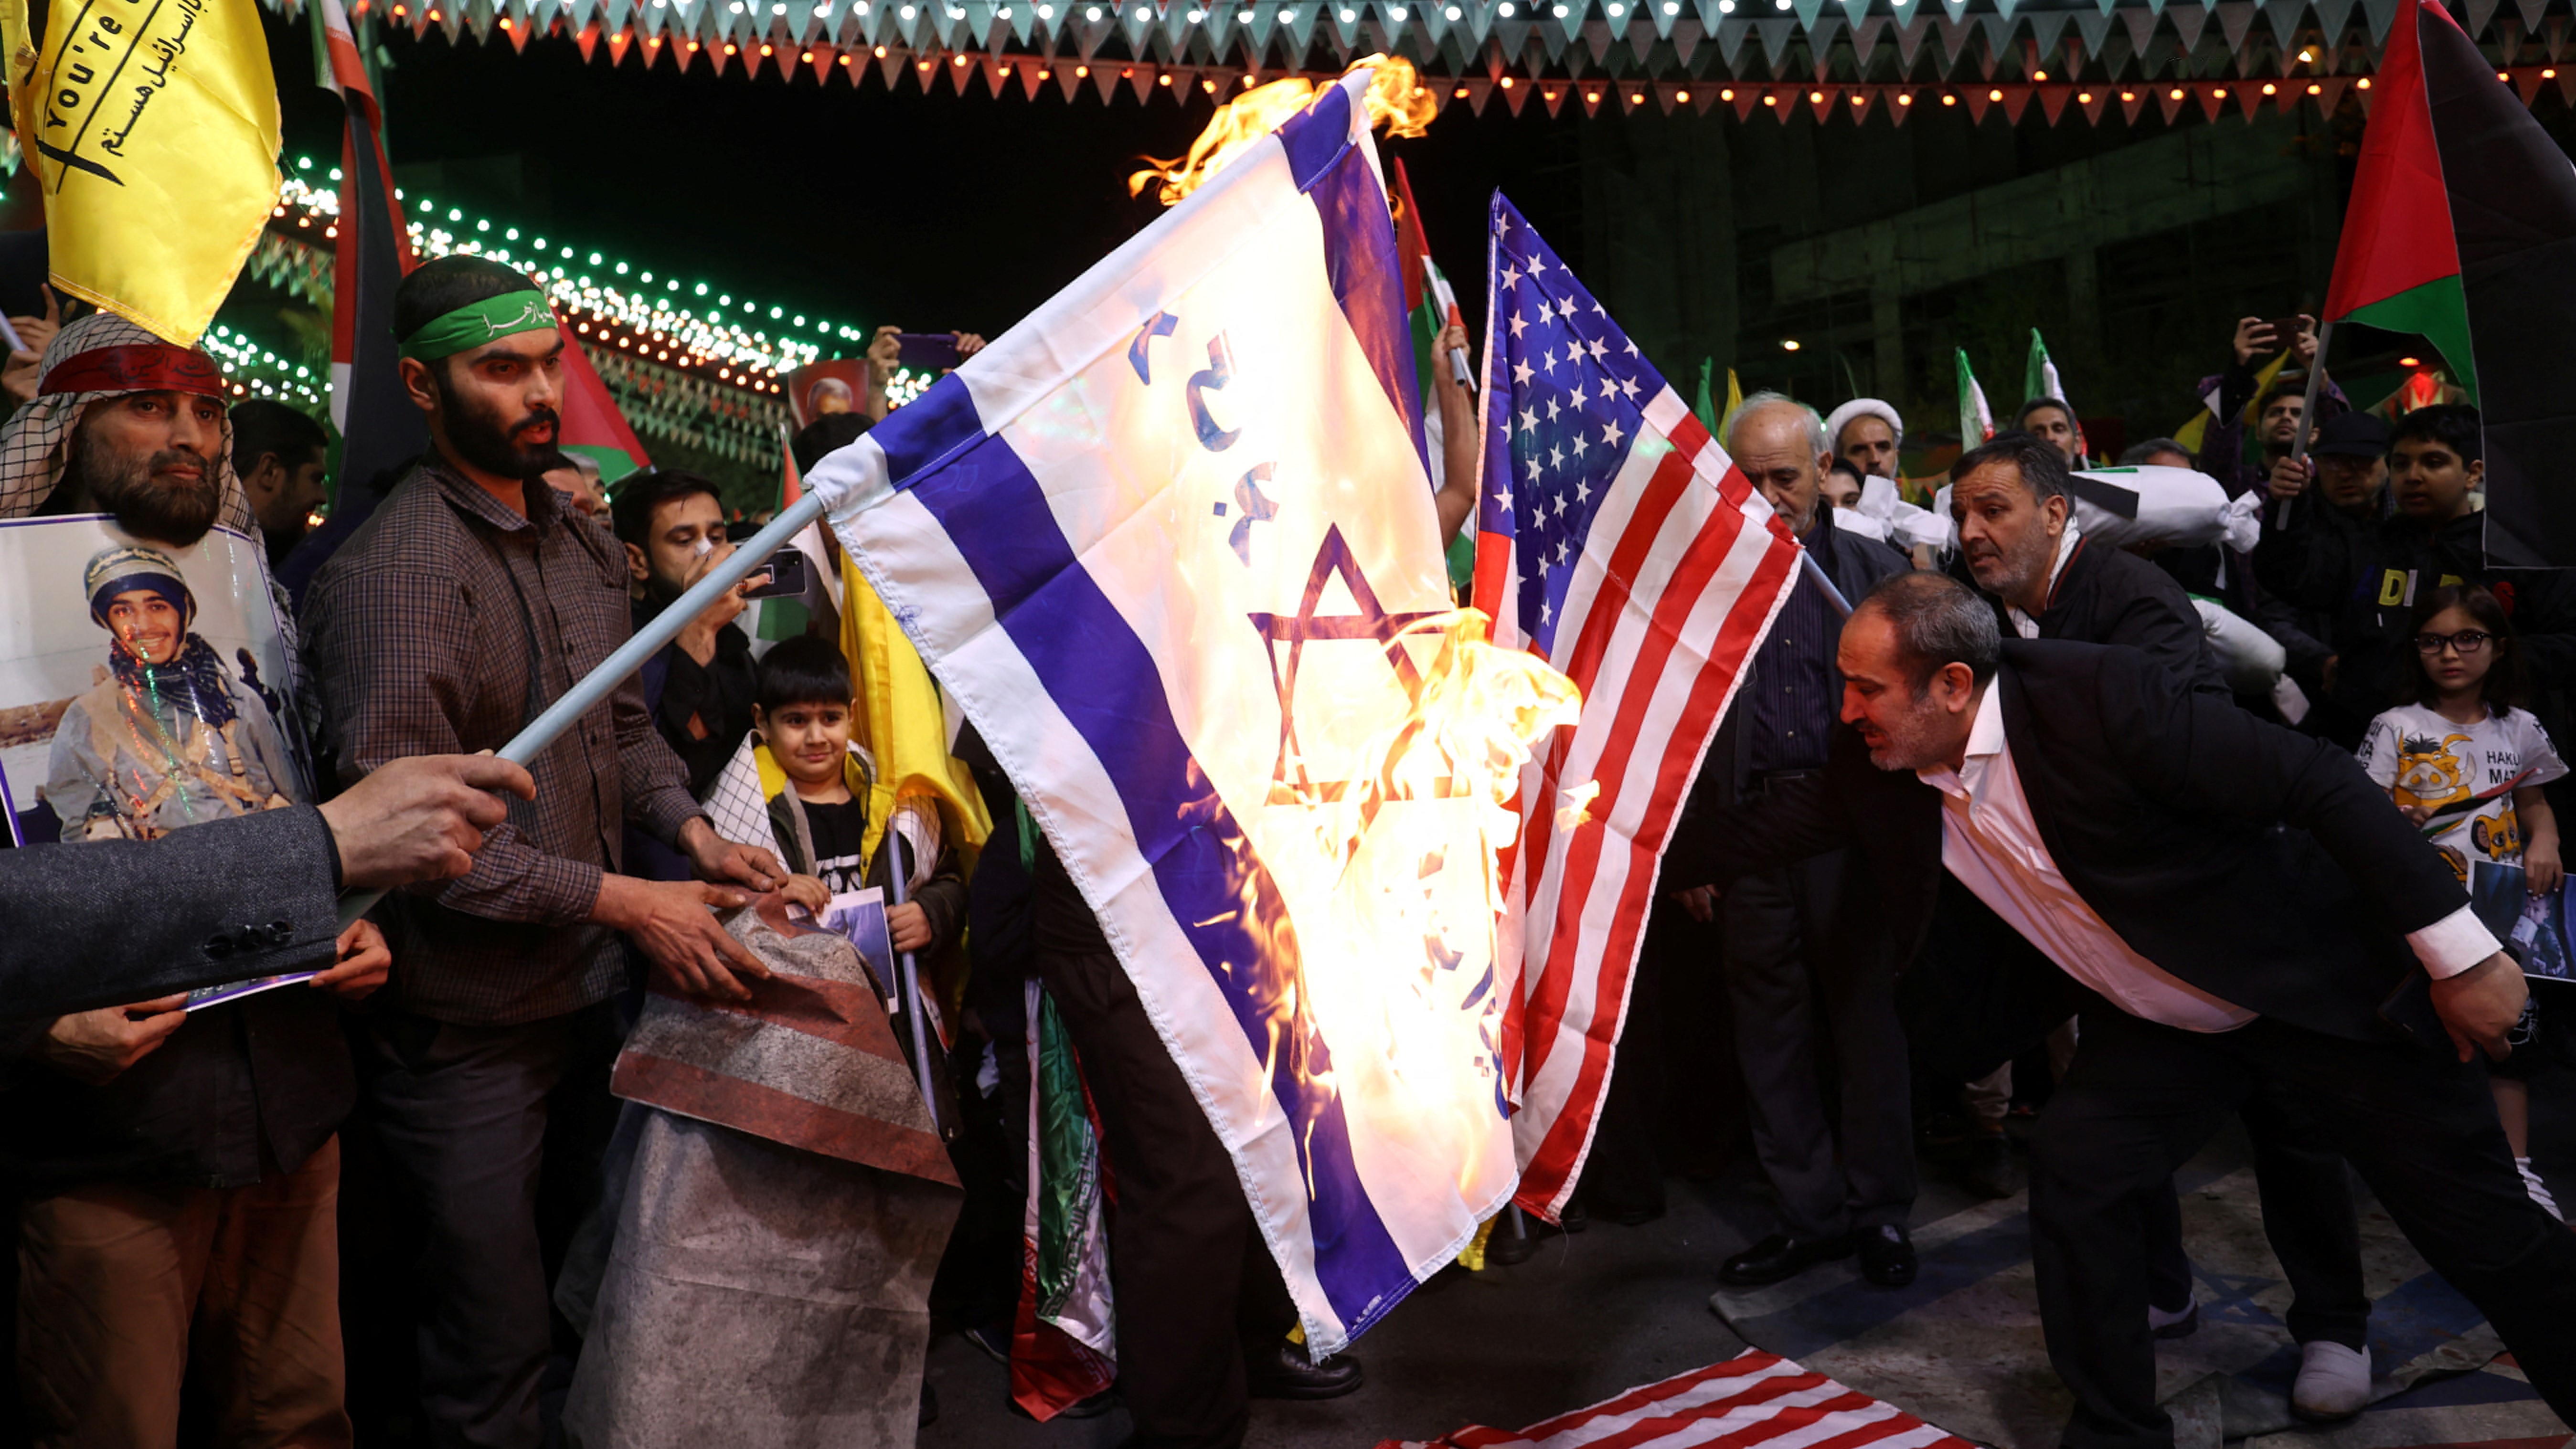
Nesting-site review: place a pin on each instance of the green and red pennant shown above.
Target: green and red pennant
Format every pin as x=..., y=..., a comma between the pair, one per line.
x=590, y=422
x=2462, y=228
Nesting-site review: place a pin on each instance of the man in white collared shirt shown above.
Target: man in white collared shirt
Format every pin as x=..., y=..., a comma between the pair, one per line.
x=2111, y=842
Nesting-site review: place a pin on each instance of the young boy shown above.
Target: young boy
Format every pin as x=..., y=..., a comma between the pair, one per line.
x=819, y=812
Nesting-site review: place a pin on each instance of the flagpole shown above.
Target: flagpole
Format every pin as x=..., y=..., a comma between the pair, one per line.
x=2307, y=421
x=630, y=656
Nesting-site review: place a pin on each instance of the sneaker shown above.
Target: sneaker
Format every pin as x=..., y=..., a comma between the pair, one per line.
x=2172, y=1323
x=2333, y=1383
x=2539, y=1190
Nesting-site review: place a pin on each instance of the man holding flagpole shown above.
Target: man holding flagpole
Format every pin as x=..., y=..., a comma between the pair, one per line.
x=468, y=602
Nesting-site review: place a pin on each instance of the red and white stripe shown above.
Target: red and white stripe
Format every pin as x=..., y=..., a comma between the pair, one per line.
x=1756, y=1401
x=1681, y=574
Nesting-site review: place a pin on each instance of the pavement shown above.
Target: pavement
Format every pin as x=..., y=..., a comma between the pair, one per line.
x=1587, y=1316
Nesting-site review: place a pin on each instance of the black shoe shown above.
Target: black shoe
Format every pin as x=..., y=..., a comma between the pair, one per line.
x=1780, y=1256
x=1505, y=1245
x=1886, y=1256
x=1283, y=1372
x=929, y=1407
x=1986, y=1166
x=1090, y=1408
x=1574, y=1219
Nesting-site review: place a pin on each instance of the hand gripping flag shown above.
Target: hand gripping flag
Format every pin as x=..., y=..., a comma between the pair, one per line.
x=1162, y=541
x=1615, y=538
x=2462, y=227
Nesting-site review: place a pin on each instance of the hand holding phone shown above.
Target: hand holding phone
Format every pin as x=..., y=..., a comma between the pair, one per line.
x=935, y=351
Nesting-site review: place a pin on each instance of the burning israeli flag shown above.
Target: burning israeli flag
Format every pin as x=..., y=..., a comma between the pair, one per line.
x=1170, y=543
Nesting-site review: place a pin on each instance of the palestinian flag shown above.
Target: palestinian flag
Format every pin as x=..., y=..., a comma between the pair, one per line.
x=1431, y=306
x=1705, y=407
x=2462, y=228
x=592, y=424
x=1976, y=420
x=2039, y=379
x=380, y=431
x=379, y=427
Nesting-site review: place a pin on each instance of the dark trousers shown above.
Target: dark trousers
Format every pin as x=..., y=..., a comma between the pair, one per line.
x=2308, y=1218
x=2140, y=1099
x=461, y=1115
x=1195, y=1284
x=1798, y=969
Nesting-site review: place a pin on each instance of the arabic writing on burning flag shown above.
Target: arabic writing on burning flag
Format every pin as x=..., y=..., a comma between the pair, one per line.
x=1170, y=543
x=1614, y=538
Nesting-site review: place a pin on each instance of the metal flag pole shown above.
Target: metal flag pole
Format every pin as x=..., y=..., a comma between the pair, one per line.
x=897, y=893
x=630, y=656
x=2307, y=420
x=1816, y=571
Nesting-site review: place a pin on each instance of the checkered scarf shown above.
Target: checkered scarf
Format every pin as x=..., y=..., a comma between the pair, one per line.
x=36, y=444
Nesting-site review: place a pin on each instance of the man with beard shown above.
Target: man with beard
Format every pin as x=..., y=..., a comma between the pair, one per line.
x=128, y=424
x=2043, y=580
x=2235, y=910
x=699, y=687
x=469, y=600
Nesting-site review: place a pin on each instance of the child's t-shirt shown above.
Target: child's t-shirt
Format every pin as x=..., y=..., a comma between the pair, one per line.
x=840, y=839
x=2464, y=772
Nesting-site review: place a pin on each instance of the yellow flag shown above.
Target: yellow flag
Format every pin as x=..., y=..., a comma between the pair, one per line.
x=901, y=723
x=152, y=127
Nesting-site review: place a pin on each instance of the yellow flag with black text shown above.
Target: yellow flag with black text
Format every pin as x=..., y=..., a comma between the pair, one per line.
x=152, y=126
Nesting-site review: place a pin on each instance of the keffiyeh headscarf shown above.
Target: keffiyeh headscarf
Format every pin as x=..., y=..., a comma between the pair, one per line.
x=103, y=356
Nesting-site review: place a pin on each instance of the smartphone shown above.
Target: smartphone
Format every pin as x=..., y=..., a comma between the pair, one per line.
x=2286, y=330
x=936, y=350
x=787, y=573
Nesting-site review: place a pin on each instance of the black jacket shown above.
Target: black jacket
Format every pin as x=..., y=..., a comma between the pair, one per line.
x=1855, y=564
x=2107, y=596
x=2368, y=584
x=2163, y=808
x=718, y=694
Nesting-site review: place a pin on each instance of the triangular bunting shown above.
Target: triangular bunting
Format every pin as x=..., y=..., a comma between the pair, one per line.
x=2093, y=100
x=2053, y=99
x=2016, y=101
x=2045, y=27
x=1743, y=98
x=1909, y=41
x=2249, y=99
x=2211, y=98
x=1979, y=97
x=2188, y=20
x=2094, y=27
x=2141, y=22
x=2480, y=12
x=1730, y=39
x=1954, y=40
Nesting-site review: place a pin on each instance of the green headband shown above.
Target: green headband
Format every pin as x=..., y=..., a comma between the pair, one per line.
x=476, y=323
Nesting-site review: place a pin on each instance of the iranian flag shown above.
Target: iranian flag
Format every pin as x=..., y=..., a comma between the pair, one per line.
x=2462, y=228
x=2039, y=379
x=1976, y=420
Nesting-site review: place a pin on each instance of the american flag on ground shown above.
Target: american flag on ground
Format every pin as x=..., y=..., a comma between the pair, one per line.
x=1615, y=538
x=1756, y=1401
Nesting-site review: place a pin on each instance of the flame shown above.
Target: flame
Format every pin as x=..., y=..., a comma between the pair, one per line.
x=1396, y=99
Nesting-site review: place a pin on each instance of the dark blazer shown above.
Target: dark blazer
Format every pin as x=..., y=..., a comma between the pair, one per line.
x=107, y=922
x=1855, y=564
x=2163, y=807
x=2107, y=596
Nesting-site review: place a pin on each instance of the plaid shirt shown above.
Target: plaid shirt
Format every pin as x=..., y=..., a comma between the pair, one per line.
x=421, y=631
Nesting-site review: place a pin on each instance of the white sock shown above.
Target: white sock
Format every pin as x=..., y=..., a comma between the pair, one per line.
x=2167, y=1318
x=2539, y=1190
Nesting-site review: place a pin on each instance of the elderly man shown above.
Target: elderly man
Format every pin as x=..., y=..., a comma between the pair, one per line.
x=469, y=600
x=2095, y=835
x=1867, y=434
x=1804, y=958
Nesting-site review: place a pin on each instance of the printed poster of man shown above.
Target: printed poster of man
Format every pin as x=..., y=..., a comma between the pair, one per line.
x=141, y=685
x=819, y=389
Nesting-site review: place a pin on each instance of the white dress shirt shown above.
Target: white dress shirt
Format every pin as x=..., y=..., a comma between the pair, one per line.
x=1990, y=841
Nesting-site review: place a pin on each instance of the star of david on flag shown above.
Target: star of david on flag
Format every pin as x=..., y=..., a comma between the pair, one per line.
x=1614, y=537
x=1170, y=544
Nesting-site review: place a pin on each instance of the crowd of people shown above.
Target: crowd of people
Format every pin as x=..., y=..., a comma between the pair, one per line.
x=1949, y=860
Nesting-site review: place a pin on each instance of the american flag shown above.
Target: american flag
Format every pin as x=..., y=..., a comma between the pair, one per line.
x=1615, y=538
x=1753, y=1401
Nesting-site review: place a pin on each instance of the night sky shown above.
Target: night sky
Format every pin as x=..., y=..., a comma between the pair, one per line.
x=934, y=212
